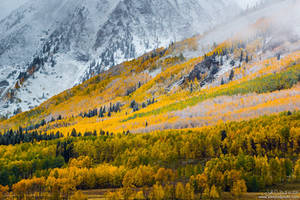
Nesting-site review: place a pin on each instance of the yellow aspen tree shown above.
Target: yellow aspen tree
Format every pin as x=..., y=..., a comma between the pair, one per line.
x=114, y=195
x=3, y=191
x=78, y=195
x=157, y=192
x=206, y=193
x=239, y=187
x=214, y=194
x=189, y=192
x=179, y=192
x=140, y=195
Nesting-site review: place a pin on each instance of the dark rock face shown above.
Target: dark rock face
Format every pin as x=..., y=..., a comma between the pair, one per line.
x=205, y=71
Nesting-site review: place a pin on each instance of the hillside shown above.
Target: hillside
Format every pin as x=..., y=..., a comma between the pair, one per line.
x=64, y=42
x=213, y=116
x=242, y=77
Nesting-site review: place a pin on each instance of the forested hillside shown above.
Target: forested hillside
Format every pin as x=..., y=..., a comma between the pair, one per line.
x=230, y=157
x=163, y=90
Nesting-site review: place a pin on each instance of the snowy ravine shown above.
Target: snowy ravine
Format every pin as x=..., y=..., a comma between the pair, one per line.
x=49, y=46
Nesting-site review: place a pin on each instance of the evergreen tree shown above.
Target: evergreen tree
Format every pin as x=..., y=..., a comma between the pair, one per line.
x=222, y=81
x=181, y=57
x=231, y=75
x=74, y=133
x=241, y=57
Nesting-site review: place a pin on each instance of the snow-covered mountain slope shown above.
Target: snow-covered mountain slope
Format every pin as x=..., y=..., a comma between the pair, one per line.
x=49, y=46
x=7, y=6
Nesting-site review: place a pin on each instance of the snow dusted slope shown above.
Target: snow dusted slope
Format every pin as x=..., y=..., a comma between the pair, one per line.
x=7, y=6
x=135, y=27
x=49, y=46
x=60, y=33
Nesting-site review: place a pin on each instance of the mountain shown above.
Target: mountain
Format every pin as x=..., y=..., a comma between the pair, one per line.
x=213, y=116
x=49, y=46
